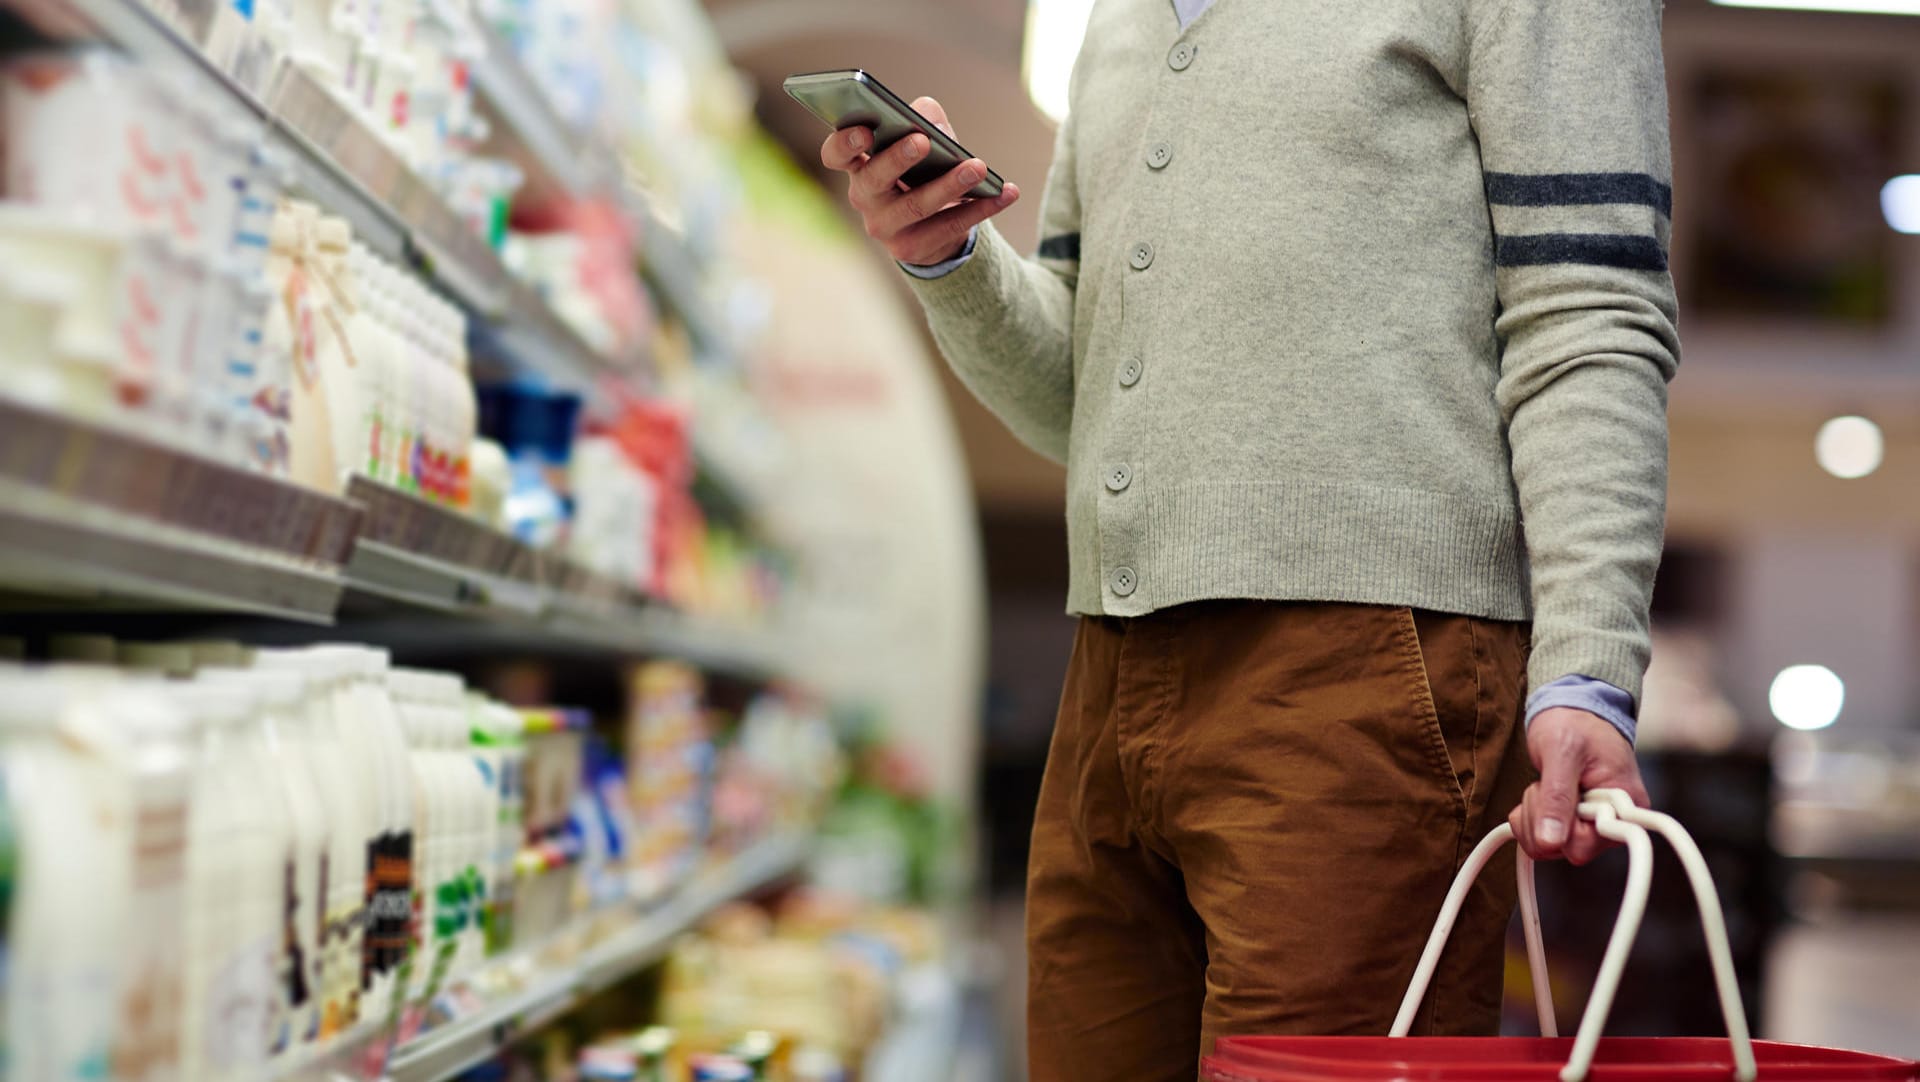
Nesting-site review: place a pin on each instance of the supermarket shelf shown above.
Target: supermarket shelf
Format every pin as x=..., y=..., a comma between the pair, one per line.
x=91, y=516
x=328, y=179
x=575, y=163
x=445, y=1052
x=342, y=165
x=667, y=263
x=478, y=585
x=97, y=466
x=62, y=555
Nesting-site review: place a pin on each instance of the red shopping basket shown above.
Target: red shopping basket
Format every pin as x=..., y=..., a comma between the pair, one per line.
x=1586, y=1057
x=1532, y=1059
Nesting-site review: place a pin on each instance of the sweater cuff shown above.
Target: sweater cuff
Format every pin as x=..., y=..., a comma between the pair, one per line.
x=946, y=266
x=1596, y=697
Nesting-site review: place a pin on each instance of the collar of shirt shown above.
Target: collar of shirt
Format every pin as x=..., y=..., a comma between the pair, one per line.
x=1189, y=10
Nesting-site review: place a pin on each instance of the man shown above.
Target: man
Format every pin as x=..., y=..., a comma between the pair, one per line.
x=1352, y=323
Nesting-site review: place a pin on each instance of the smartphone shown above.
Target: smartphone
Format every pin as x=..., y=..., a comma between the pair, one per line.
x=854, y=99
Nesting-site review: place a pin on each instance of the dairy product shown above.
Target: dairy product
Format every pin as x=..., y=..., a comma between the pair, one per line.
x=389, y=859
x=72, y=830
x=337, y=344
x=238, y=848
x=345, y=794
x=282, y=757
x=499, y=750
x=412, y=694
x=225, y=859
x=159, y=741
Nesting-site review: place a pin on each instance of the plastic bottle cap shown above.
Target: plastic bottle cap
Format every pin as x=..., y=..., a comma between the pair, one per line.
x=173, y=659
x=226, y=653
x=97, y=649
x=284, y=234
x=333, y=234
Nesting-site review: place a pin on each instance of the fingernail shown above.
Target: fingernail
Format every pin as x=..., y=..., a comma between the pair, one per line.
x=970, y=174
x=858, y=140
x=1006, y=197
x=916, y=146
x=1553, y=831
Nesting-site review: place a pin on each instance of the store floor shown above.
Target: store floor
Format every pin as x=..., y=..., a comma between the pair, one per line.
x=1850, y=981
x=1845, y=981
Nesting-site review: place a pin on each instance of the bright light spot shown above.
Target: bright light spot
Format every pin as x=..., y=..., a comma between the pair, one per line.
x=1806, y=697
x=1055, y=29
x=1900, y=202
x=1865, y=7
x=1849, y=447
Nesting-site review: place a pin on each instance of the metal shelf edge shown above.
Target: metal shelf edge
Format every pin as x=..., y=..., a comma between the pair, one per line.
x=134, y=565
x=444, y=1053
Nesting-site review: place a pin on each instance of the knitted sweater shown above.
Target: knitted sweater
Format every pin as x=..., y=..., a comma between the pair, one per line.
x=1359, y=303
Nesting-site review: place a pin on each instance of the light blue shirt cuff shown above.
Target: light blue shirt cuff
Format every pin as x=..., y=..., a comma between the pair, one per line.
x=1596, y=697
x=941, y=270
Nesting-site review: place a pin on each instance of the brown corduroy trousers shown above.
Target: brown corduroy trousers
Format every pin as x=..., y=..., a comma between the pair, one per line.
x=1250, y=815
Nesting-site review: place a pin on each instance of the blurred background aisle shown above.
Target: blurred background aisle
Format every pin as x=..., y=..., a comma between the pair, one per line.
x=526, y=343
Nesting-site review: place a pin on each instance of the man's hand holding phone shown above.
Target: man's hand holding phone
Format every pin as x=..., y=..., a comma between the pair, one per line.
x=924, y=225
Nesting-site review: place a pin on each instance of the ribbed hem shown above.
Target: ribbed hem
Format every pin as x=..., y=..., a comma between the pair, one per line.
x=1590, y=643
x=1307, y=541
x=976, y=289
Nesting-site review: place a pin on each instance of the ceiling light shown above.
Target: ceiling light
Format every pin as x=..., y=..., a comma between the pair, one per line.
x=1863, y=7
x=1055, y=29
x=1849, y=447
x=1900, y=202
x=1806, y=697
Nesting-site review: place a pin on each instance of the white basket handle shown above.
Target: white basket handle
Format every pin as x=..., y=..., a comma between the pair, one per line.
x=1616, y=817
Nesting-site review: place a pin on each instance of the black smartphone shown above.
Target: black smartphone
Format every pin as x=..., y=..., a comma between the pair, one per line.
x=854, y=99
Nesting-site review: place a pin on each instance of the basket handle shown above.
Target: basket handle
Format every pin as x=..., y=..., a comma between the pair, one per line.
x=1615, y=817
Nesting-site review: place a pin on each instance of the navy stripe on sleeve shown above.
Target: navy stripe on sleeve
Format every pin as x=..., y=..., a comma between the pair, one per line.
x=1594, y=249
x=1578, y=190
x=1064, y=246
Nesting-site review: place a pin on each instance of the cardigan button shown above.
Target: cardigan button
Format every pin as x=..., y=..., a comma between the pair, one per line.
x=1119, y=477
x=1159, y=156
x=1142, y=256
x=1130, y=371
x=1181, y=56
x=1122, y=581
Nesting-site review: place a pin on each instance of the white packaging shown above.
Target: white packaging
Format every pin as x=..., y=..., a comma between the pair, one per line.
x=235, y=856
x=30, y=306
x=340, y=347
x=389, y=861
x=71, y=834
x=77, y=269
x=161, y=743
x=368, y=429
x=286, y=761
x=347, y=797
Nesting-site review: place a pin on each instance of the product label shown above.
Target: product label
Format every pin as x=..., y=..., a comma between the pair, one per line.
x=295, y=991
x=341, y=970
x=306, y=338
x=241, y=1009
x=146, y=1045
x=389, y=903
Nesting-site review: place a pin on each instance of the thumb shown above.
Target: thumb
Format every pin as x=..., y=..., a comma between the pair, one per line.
x=931, y=109
x=1559, y=794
